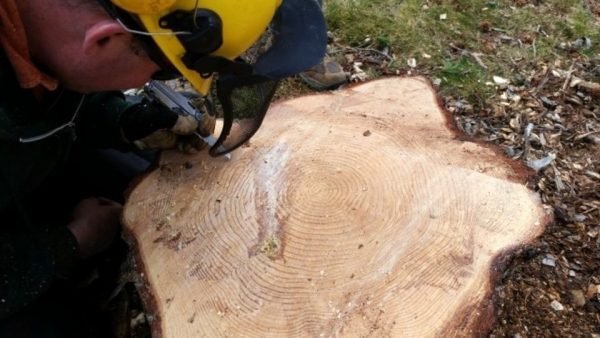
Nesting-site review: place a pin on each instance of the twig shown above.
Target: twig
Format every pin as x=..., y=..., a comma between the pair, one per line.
x=579, y=137
x=569, y=76
x=527, y=138
x=543, y=83
x=364, y=50
x=475, y=56
x=592, y=174
x=591, y=88
x=541, y=30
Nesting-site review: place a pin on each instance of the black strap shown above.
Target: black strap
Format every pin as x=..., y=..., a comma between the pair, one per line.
x=216, y=64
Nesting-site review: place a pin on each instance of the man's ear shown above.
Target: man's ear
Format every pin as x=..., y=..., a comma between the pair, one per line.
x=100, y=35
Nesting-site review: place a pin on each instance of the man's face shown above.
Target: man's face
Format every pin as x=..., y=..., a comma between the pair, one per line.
x=81, y=45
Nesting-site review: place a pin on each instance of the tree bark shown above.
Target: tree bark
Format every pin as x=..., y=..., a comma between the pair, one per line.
x=356, y=213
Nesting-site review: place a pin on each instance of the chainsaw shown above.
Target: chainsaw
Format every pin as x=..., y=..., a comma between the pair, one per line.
x=160, y=92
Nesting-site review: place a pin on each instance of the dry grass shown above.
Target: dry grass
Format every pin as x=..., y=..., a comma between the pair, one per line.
x=463, y=43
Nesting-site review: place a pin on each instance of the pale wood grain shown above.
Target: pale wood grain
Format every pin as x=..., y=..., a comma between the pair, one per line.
x=356, y=213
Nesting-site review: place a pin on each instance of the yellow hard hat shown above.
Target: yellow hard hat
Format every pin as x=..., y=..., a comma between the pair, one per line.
x=186, y=30
x=198, y=38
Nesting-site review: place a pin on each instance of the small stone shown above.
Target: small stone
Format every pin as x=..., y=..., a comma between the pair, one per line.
x=592, y=291
x=500, y=80
x=556, y=305
x=549, y=261
x=577, y=298
x=572, y=273
x=367, y=133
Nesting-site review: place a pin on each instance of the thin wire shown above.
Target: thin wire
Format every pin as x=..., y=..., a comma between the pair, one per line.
x=196, y=13
x=133, y=31
x=69, y=124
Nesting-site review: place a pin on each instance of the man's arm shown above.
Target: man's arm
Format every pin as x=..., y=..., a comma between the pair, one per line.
x=108, y=120
x=31, y=262
x=33, y=256
x=99, y=125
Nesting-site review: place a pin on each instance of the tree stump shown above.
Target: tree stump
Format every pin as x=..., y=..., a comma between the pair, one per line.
x=355, y=213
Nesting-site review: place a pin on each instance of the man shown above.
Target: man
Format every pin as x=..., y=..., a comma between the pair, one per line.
x=62, y=66
x=50, y=62
x=328, y=74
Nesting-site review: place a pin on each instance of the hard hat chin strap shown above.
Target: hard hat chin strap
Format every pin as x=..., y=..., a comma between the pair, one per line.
x=130, y=22
x=208, y=64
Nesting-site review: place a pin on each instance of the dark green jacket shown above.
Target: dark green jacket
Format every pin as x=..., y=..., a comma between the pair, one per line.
x=35, y=250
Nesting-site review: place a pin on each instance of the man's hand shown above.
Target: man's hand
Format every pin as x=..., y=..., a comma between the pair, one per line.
x=95, y=224
x=150, y=125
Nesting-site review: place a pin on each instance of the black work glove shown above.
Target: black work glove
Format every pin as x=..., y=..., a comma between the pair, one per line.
x=150, y=125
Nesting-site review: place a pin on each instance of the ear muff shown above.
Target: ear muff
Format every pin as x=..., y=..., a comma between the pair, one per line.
x=198, y=38
x=144, y=6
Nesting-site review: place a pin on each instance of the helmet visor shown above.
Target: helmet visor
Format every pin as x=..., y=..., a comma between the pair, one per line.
x=245, y=101
x=296, y=41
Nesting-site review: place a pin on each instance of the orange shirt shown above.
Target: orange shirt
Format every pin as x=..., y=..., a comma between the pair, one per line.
x=13, y=40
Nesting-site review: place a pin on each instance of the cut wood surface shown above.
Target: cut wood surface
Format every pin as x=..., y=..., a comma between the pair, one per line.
x=353, y=213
